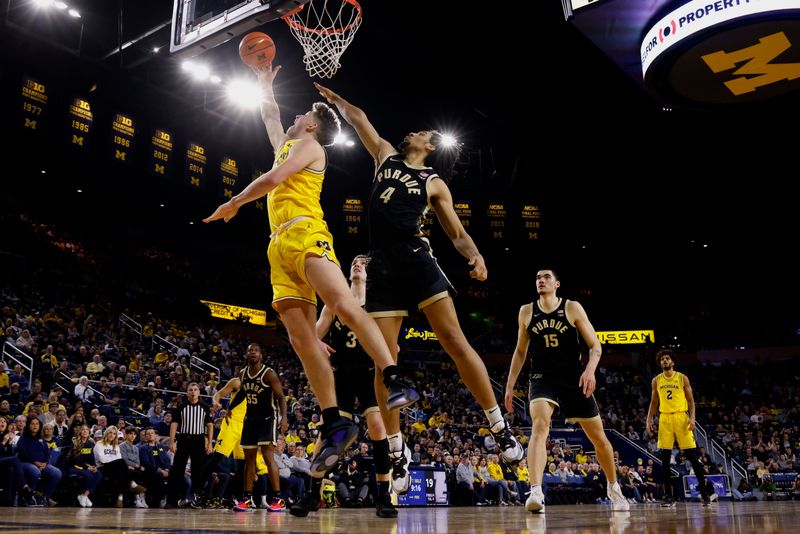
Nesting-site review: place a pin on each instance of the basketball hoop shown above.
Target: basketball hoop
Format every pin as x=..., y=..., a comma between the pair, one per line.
x=324, y=28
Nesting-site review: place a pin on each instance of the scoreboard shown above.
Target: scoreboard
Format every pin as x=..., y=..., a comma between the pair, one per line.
x=428, y=488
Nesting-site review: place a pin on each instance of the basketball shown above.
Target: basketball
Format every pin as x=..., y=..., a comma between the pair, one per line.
x=257, y=50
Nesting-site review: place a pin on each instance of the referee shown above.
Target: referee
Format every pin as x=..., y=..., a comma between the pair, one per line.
x=195, y=433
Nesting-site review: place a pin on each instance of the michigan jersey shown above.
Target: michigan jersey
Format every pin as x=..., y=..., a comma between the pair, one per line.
x=260, y=400
x=554, y=344
x=297, y=195
x=398, y=201
x=239, y=411
x=671, y=394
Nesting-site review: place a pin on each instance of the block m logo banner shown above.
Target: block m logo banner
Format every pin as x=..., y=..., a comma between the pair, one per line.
x=758, y=69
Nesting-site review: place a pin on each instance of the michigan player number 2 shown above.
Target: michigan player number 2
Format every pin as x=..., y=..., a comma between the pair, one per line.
x=550, y=341
x=386, y=195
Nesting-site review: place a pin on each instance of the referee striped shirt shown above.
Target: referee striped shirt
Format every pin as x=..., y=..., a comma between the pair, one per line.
x=192, y=419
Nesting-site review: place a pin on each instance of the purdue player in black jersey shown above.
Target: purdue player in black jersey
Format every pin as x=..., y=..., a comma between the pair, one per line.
x=550, y=326
x=404, y=273
x=263, y=393
x=354, y=373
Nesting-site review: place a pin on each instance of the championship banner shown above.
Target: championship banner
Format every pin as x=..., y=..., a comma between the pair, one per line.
x=229, y=176
x=80, y=122
x=497, y=214
x=34, y=104
x=464, y=212
x=123, y=130
x=353, y=210
x=531, y=221
x=161, y=152
x=196, y=166
x=626, y=337
x=261, y=203
x=236, y=313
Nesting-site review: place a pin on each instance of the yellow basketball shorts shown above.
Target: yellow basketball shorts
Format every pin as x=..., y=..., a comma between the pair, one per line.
x=230, y=434
x=672, y=426
x=287, y=253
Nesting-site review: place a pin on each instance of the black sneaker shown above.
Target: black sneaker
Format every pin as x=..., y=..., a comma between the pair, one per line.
x=336, y=439
x=667, y=502
x=401, y=394
x=310, y=503
x=384, y=507
x=510, y=449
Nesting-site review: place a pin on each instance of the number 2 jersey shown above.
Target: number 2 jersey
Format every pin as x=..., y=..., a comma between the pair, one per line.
x=398, y=201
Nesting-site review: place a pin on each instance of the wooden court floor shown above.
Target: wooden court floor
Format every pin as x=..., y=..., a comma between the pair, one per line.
x=735, y=518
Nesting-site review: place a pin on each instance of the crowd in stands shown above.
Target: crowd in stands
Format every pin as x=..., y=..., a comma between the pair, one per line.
x=94, y=416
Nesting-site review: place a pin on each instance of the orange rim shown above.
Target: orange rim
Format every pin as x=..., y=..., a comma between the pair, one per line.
x=302, y=27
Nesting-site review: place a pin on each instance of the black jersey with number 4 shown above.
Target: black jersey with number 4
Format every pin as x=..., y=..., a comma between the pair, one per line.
x=258, y=393
x=349, y=353
x=398, y=201
x=554, y=344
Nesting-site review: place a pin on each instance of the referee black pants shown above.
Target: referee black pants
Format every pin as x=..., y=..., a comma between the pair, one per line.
x=189, y=446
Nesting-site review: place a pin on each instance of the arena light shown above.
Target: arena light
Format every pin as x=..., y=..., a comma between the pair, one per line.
x=74, y=13
x=201, y=72
x=449, y=140
x=44, y=4
x=340, y=139
x=349, y=143
x=244, y=93
x=215, y=79
x=61, y=5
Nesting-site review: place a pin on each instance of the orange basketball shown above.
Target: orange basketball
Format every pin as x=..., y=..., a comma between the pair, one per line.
x=257, y=50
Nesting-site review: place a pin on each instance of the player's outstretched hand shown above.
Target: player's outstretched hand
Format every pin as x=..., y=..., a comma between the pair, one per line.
x=225, y=212
x=327, y=94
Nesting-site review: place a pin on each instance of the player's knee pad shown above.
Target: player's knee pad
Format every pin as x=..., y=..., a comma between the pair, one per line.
x=380, y=451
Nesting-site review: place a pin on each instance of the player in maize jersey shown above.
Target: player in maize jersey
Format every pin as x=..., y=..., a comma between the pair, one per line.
x=404, y=274
x=303, y=263
x=550, y=327
x=673, y=398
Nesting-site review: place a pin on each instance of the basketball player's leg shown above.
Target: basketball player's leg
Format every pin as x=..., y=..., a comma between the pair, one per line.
x=380, y=453
x=250, y=454
x=666, y=441
x=328, y=281
x=541, y=411
x=442, y=317
x=390, y=330
x=299, y=318
x=605, y=452
x=268, y=452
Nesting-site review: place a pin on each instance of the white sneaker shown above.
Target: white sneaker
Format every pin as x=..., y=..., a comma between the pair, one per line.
x=401, y=478
x=140, y=502
x=84, y=501
x=535, y=501
x=510, y=449
x=618, y=501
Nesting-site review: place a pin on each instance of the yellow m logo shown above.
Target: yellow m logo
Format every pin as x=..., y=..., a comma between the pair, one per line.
x=118, y=154
x=757, y=65
x=30, y=124
x=194, y=181
x=227, y=193
x=76, y=140
x=159, y=168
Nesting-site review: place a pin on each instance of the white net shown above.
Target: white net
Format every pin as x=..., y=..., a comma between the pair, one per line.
x=324, y=28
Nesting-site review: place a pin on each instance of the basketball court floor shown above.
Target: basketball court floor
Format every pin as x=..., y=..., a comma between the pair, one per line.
x=735, y=518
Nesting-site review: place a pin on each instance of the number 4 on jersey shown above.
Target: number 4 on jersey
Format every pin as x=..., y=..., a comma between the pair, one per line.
x=386, y=195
